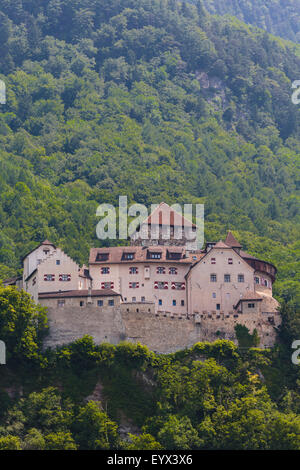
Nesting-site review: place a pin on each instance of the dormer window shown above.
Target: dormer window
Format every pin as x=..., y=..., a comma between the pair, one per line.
x=102, y=256
x=128, y=256
x=155, y=255
x=175, y=255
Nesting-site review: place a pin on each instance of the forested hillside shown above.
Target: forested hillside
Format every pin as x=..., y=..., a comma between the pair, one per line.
x=151, y=99
x=159, y=101
x=279, y=17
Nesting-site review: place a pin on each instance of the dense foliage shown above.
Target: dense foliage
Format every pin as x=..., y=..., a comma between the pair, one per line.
x=84, y=396
x=279, y=17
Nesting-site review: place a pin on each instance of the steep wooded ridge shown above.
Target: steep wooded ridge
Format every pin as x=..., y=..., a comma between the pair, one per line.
x=153, y=99
x=279, y=17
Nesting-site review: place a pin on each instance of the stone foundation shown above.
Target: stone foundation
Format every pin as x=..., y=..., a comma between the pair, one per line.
x=162, y=332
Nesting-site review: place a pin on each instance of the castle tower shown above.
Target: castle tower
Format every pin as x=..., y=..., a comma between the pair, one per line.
x=167, y=227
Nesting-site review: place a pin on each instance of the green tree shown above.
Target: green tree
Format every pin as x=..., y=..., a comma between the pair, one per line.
x=23, y=324
x=93, y=429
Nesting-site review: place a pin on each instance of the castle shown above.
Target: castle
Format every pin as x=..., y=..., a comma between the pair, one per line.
x=161, y=292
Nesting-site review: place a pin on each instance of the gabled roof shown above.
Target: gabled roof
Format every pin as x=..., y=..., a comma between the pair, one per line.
x=165, y=215
x=232, y=241
x=221, y=244
x=44, y=243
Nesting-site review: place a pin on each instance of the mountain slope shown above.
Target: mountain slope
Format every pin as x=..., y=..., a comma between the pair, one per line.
x=279, y=17
x=154, y=100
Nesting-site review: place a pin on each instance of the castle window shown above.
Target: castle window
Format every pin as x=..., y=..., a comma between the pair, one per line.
x=160, y=302
x=256, y=279
x=174, y=303
x=111, y=302
x=230, y=261
x=49, y=277
x=81, y=303
x=100, y=303
x=178, y=285
x=58, y=262
x=218, y=306
x=160, y=285
x=226, y=277
x=182, y=303
x=241, y=278
x=133, y=299
x=173, y=271
x=107, y=285
x=251, y=305
x=160, y=270
x=214, y=295
x=133, y=270
x=213, y=278
x=134, y=285
x=60, y=303
x=34, y=281
x=105, y=270
x=65, y=277
x=143, y=299
x=46, y=252
x=213, y=261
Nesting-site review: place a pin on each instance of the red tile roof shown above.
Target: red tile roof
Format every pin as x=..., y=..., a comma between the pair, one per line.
x=165, y=215
x=232, y=241
x=221, y=244
x=141, y=255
